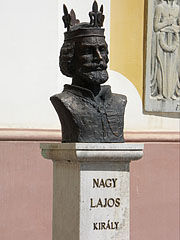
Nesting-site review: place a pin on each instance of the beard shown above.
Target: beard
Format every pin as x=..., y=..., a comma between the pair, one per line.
x=93, y=73
x=95, y=77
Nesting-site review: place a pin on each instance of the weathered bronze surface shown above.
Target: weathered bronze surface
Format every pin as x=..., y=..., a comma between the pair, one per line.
x=88, y=112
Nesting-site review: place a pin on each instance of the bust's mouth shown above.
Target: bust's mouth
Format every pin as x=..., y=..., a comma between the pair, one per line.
x=92, y=67
x=99, y=69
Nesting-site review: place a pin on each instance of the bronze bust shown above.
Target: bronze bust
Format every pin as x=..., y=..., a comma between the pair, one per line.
x=88, y=111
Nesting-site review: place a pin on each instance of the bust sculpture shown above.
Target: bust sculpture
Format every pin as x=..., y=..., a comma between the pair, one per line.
x=88, y=111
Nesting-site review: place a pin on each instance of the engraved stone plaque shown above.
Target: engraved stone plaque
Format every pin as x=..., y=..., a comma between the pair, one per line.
x=104, y=201
x=162, y=72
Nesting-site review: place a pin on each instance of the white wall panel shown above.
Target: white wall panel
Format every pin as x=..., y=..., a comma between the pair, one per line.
x=28, y=62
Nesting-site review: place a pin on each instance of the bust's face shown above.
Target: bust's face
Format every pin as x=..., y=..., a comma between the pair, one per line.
x=91, y=58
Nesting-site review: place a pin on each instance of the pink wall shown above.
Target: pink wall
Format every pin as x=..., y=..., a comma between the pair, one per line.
x=155, y=193
x=26, y=193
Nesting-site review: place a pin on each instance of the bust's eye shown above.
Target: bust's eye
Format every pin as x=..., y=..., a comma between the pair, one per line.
x=102, y=49
x=88, y=50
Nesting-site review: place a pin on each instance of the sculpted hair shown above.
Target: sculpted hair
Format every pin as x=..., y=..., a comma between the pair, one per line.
x=66, y=58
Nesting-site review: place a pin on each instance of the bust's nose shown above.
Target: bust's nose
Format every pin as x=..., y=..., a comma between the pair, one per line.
x=97, y=55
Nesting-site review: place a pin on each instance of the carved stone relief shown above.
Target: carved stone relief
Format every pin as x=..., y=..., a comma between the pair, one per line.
x=163, y=56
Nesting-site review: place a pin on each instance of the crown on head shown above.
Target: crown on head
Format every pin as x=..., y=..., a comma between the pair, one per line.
x=75, y=29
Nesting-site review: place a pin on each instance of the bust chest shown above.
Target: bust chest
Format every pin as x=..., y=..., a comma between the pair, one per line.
x=93, y=121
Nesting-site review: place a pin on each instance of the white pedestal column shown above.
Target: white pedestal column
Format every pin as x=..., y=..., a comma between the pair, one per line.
x=91, y=189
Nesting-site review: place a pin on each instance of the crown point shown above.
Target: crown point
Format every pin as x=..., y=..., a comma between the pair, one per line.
x=95, y=6
x=96, y=16
x=65, y=9
x=66, y=18
x=101, y=9
x=74, y=21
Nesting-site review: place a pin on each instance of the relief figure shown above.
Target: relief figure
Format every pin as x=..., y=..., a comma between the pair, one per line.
x=165, y=61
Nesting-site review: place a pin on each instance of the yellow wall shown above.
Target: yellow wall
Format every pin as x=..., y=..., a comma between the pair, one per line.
x=126, y=50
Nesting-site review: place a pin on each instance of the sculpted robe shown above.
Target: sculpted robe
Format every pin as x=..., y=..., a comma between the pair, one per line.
x=85, y=118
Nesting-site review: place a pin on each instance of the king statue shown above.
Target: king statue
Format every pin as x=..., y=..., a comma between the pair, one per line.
x=88, y=111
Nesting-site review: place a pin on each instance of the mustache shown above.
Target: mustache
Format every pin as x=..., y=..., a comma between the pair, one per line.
x=96, y=76
x=94, y=66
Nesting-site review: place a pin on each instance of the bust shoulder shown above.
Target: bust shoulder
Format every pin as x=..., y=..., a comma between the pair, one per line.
x=64, y=98
x=120, y=99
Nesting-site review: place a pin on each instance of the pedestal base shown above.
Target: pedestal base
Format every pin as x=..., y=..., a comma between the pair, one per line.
x=91, y=189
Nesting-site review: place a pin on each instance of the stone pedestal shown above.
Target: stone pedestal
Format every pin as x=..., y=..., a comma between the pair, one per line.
x=91, y=189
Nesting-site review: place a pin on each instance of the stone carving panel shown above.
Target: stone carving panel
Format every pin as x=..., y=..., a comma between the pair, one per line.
x=163, y=56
